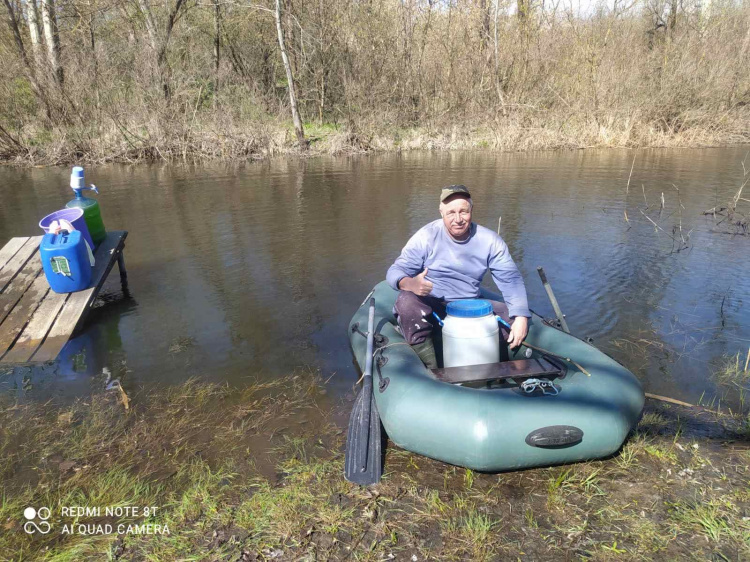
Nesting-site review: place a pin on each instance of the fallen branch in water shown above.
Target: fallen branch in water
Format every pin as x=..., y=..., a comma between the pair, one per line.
x=676, y=402
x=671, y=400
x=683, y=243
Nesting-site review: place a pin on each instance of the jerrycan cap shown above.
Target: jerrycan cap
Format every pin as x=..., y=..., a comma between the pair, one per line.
x=469, y=308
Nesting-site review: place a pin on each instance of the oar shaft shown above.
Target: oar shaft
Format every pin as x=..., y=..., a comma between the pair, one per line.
x=553, y=300
x=370, y=339
x=367, y=388
x=539, y=349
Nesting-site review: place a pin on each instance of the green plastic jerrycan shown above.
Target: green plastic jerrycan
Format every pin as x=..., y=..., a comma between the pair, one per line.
x=92, y=214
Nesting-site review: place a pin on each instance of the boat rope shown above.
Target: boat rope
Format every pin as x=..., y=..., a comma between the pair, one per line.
x=531, y=385
x=380, y=361
x=380, y=349
x=379, y=339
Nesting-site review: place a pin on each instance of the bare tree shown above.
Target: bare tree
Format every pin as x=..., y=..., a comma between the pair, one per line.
x=217, y=47
x=484, y=32
x=52, y=38
x=404, y=72
x=87, y=16
x=299, y=131
x=13, y=24
x=35, y=31
x=523, y=7
x=160, y=40
x=496, y=44
x=39, y=92
x=672, y=20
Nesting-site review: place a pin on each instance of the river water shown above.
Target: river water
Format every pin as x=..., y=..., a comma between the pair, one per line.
x=248, y=272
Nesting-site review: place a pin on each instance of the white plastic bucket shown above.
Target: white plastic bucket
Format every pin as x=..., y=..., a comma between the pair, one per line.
x=471, y=335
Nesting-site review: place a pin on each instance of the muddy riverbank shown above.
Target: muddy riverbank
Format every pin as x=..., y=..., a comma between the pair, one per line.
x=256, y=474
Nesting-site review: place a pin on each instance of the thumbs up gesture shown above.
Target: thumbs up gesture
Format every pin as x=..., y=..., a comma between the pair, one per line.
x=420, y=285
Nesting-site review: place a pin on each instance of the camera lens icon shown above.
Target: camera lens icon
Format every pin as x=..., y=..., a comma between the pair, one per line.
x=31, y=526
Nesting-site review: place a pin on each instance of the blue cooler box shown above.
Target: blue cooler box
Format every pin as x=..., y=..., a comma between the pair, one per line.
x=65, y=261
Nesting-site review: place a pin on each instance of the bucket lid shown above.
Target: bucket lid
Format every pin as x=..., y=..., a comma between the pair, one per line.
x=469, y=308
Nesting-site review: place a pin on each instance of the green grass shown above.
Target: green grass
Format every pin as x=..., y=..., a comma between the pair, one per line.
x=661, y=452
x=734, y=371
x=179, y=451
x=710, y=518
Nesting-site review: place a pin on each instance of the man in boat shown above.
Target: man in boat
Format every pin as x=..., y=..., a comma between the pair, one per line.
x=446, y=260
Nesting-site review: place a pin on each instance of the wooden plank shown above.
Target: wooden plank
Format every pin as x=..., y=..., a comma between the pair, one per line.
x=22, y=312
x=18, y=286
x=36, y=330
x=79, y=303
x=18, y=261
x=518, y=369
x=10, y=249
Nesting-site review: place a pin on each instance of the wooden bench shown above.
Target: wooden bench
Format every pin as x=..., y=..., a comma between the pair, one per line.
x=36, y=322
x=519, y=369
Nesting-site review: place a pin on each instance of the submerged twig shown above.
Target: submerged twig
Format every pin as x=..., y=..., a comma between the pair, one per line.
x=661, y=208
x=627, y=187
x=656, y=226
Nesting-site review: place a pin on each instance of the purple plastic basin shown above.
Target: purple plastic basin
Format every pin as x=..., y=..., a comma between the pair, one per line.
x=74, y=217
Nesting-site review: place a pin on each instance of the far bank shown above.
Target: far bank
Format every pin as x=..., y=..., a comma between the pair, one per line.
x=216, y=138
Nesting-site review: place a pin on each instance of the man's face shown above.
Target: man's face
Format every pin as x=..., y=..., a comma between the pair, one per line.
x=456, y=213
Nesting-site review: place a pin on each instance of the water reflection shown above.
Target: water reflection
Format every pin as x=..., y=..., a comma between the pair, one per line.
x=254, y=270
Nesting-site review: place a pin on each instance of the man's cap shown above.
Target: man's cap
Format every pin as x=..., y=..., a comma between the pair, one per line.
x=452, y=190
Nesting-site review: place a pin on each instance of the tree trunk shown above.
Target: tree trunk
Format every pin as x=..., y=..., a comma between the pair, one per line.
x=217, y=47
x=148, y=18
x=160, y=44
x=484, y=32
x=52, y=38
x=35, y=87
x=92, y=44
x=523, y=10
x=672, y=20
x=299, y=131
x=35, y=31
x=13, y=24
x=498, y=78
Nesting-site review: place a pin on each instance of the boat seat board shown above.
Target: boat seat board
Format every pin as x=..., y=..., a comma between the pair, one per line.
x=35, y=322
x=517, y=369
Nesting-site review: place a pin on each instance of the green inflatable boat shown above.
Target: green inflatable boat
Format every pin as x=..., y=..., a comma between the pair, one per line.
x=555, y=401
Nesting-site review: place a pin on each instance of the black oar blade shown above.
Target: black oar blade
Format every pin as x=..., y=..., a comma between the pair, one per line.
x=371, y=471
x=363, y=464
x=352, y=454
x=374, y=445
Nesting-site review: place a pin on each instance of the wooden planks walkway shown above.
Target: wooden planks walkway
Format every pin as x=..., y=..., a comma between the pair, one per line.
x=36, y=322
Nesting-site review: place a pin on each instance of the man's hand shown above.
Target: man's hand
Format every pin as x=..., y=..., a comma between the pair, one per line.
x=418, y=285
x=518, y=331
